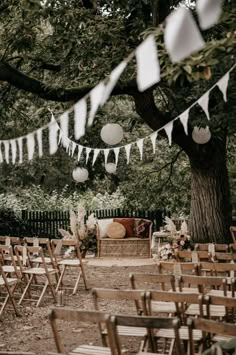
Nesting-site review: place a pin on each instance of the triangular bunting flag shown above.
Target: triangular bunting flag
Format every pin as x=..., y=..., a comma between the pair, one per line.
x=88, y=151
x=203, y=102
x=114, y=77
x=148, y=67
x=53, y=133
x=39, y=141
x=30, y=145
x=168, y=129
x=95, y=155
x=116, y=151
x=153, y=138
x=20, y=145
x=73, y=147
x=80, y=110
x=140, y=147
x=223, y=85
x=127, y=150
x=182, y=36
x=1, y=157
x=95, y=100
x=64, y=126
x=80, y=149
x=106, y=153
x=6, y=151
x=209, y=12
x=13, y=150
x=184, y=120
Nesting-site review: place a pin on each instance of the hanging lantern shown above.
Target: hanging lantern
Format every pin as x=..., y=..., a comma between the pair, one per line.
x=80, y=174
x=110, y=168
x=201, y=135
x=112, y=133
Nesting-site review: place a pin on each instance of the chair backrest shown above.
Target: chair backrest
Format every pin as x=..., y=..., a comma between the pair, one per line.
x=233, y=233
x=43, y=242
x=25, y=254
x=7, y=256
x=176, y=268
x=10, y=240
x=185, y=255
x=181, y=300
x=218, y=269
x=207, y=247
x=149, y=322
x=59, y=246
x=147, y=281
x=203, y=283
x=228, y=302
x=208, y=327
x=72, y=315
x=232, y=248
x=225, y=257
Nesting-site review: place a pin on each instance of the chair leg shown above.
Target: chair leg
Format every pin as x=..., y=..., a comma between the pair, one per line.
x=52, y=289
x=61, y=277
x=42, y=293
x=84, y=277
x=76, y=284
x=26, y=288
x=11, y=297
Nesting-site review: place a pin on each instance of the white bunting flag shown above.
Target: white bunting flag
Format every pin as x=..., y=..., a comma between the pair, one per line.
x=209, y=12
x=39, y=141
x=20, y=146
x=184, y=120
x=30, y=145
x=203, y=102
x=148, y=67
x=127, y=150
x=113, y=78
x=140, y=147
x=6, y=151
x=182, y=36
x=13, y=150
x=73, y=147
x=95, y=155
x=106, y=153
x=168, y=129
x=153, y=138
x=80, y=150
x=116, y=151
x=95, y=100
x=223, y=85
x=64, y=126
x=80, y=110
x=88, y=151
x=53, y=134
x=1, y=157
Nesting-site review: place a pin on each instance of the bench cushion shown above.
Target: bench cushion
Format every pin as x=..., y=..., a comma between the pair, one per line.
x=141, y=228
x=116, y=230
x=128, y=223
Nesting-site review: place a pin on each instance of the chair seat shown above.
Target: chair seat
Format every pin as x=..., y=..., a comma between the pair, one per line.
x=187, y=290
x=217, y=338
x=10, y=268
x=132, y=331
x=69, y=262
x=183, y=333
x=218, y=293
x=39, y=260
x=215, y=311
x=91, y=350
x=39, y=271
x=163, y=307
x=10, y=281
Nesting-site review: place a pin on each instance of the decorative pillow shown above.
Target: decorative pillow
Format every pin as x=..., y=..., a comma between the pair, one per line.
x=128, y=223
x=103, y=224
x=141, y=228
x=116, y=230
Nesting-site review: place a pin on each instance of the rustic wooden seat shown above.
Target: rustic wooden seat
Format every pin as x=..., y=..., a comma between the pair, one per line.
x=8, y=285
x=156, y=281
x=208, y=327
x=76, y=315
x=66, y=262
x=233, y=233
x=151, y=324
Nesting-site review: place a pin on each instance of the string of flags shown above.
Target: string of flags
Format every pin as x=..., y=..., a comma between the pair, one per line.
x=182, y=37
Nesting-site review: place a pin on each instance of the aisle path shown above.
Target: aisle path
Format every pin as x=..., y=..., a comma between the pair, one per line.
x=119, y=261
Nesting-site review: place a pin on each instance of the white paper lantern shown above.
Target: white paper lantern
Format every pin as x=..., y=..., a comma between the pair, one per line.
x=112, y=133
x=201, y=135
x=80, y=174
x=110, y=168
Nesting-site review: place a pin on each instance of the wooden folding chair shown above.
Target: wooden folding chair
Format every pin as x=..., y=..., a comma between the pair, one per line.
x=193, y=256
x=8, y=261
x=102, y=295
x=209, y=330
x=72, y=315
x=45, y=244
x=151, y=324
x=221, y=248
x=233, y=233
x=25, y=255
x=58, y=246
x=156, y=281
x=177, y=268
x=8, y=285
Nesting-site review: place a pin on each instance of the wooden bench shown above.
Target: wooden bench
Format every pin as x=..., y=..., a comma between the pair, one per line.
x=127, y=247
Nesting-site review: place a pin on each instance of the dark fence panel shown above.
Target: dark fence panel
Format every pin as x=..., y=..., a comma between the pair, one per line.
x=46, y=224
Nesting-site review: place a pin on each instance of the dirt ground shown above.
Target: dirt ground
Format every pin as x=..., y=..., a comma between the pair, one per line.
x=32, y=331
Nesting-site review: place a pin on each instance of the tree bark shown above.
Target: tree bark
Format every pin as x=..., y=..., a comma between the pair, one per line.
x=211, y=210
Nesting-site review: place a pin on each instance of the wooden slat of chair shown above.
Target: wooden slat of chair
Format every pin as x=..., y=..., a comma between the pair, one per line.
x=208, y=327
x=101, y=294
x=225, y=257
x=12, y=240
x=232, y=248
x=67, y=263
x=9, y=285
x=151, y=324
x=33, y=272
x=233, y=233
x=71, y=315
x=185, y=255
x=205, y=247
x=156, y=281
x=228, y=302
x=17, y=353
x=170, y=267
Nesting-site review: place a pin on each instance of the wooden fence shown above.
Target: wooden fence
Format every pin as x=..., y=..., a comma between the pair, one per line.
x=46, y=223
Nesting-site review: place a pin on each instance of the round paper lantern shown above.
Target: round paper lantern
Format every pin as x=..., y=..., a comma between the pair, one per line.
x=80, y=174
x=110, y=168
x=201, y=135
x=112, y=133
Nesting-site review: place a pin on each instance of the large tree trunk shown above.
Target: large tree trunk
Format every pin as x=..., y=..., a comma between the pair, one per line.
x=211, y=210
